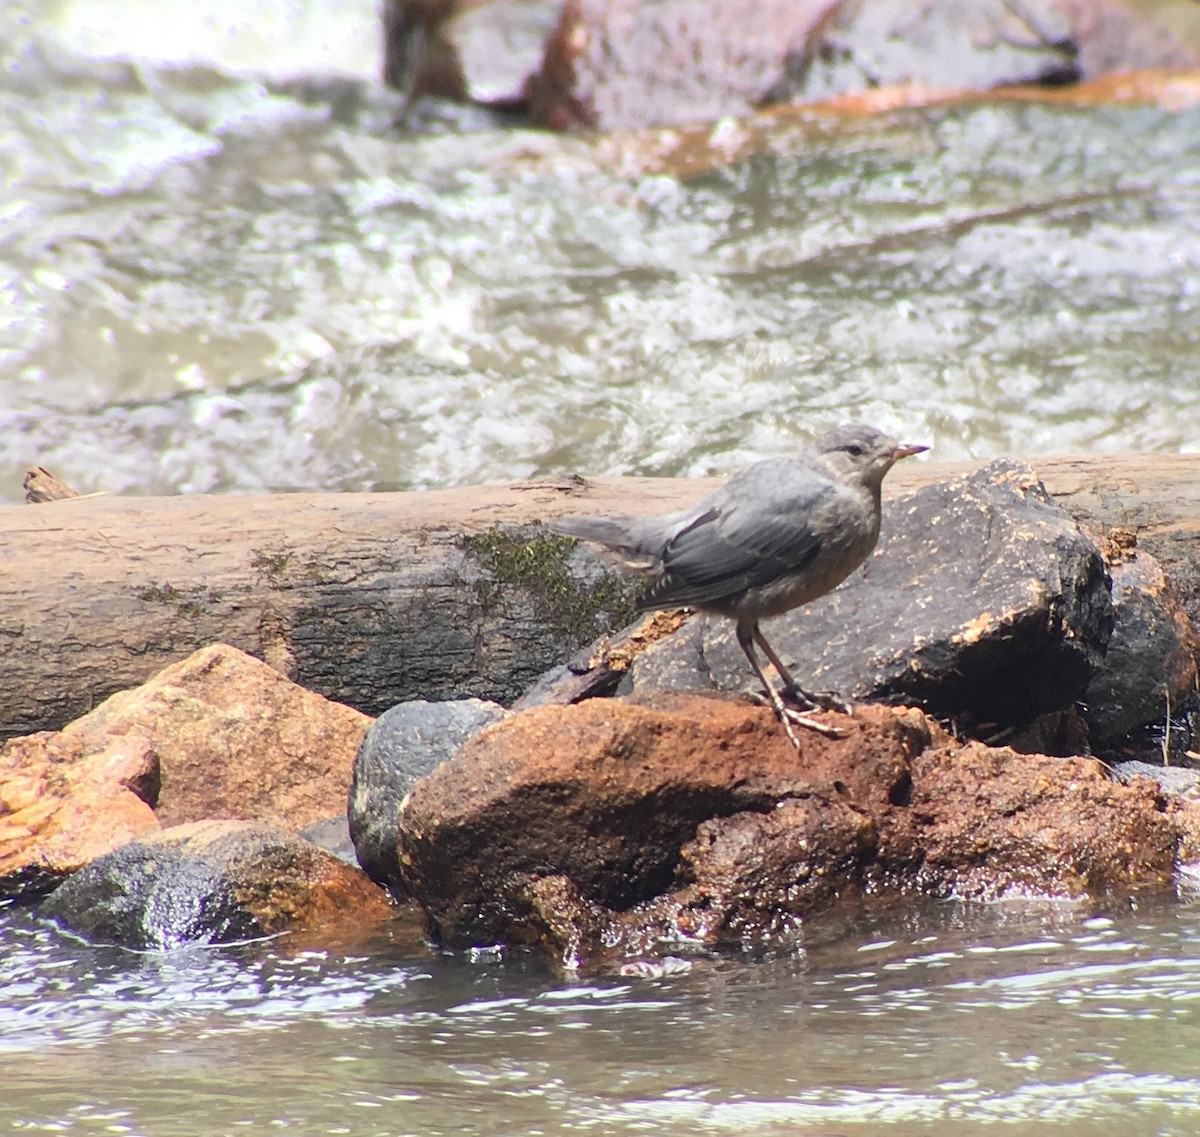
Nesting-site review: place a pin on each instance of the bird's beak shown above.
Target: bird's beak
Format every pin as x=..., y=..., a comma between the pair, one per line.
x=907, y=450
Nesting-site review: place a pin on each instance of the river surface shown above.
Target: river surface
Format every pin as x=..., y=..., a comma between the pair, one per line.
x=938, y=1021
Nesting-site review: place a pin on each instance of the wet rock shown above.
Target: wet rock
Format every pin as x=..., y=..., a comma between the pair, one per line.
x=215, y=882
x=403, y=745
x=984, y=821
x=65, y=801
x=974, y=44
x=1151, y=658
x=633, y=63
x=233, y=738
x=607, y=792
x=983, y=600
x=612, y=830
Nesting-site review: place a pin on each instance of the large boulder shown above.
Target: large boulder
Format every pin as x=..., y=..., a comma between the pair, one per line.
x=216, y=882
x=218, y=735
x=611, y=829
x=233, y=738
x=984, y=601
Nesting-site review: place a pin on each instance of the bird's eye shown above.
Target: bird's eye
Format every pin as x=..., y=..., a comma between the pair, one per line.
x=854, y=450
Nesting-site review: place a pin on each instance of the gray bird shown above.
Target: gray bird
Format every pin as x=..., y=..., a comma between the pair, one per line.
x=777, y=535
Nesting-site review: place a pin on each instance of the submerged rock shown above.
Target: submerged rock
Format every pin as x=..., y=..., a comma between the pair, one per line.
x=984, y=600
x=614, y=829
x=401, y=746
x=215, y=882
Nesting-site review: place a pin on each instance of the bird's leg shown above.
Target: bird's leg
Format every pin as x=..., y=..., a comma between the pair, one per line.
x=824, y=700
x=786, y=715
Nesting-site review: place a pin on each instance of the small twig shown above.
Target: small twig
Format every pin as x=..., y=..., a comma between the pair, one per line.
x=1166, y=742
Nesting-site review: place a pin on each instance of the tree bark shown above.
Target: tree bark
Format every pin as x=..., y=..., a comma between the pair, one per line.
x=374, y=598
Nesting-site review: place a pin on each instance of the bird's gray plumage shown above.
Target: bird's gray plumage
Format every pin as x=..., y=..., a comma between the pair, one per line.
x=777, y=535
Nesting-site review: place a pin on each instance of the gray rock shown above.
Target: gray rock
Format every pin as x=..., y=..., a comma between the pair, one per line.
x=333, y=835
x=983, y=599
x=403, y=745
x=1179, y=781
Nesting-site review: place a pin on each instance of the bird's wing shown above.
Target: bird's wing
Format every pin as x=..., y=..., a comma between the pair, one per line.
x=755, y=529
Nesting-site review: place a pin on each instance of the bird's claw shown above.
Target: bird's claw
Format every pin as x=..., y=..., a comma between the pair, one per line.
x=815, y=700
x=789, y=716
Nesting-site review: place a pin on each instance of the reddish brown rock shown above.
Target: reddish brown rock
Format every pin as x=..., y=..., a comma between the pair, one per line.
x=606, y=793
x=985, y=821
x=635, y=63
x=233, y=738
x=218, y=882
x=64, y=802
x=610, y=830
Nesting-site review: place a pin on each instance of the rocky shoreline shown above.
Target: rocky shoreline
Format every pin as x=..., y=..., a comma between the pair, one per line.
x=990, y=646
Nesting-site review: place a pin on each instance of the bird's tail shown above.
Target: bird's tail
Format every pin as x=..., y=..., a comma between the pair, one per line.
x=637, y=540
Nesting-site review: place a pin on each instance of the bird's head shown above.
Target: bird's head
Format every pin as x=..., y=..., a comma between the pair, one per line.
x=862, y=453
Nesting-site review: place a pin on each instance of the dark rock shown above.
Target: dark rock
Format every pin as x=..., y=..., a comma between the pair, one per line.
x=215, y=882
x=1061, y=733
x=483, y=50
x=983, y=599
x=974, y=44
x=1151, y=660
x=498, y=46
x=611, y=830
x=414, y=57
x=403, y=745
x=633, y=63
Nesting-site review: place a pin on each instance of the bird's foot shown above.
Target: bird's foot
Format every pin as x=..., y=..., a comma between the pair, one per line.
x=815, y=700
x=789, y=717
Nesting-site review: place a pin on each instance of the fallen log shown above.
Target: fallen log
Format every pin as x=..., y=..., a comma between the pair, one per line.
x=373, y=598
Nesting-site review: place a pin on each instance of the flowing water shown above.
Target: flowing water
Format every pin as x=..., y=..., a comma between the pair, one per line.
x=213, y=282
x=938, y=1021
